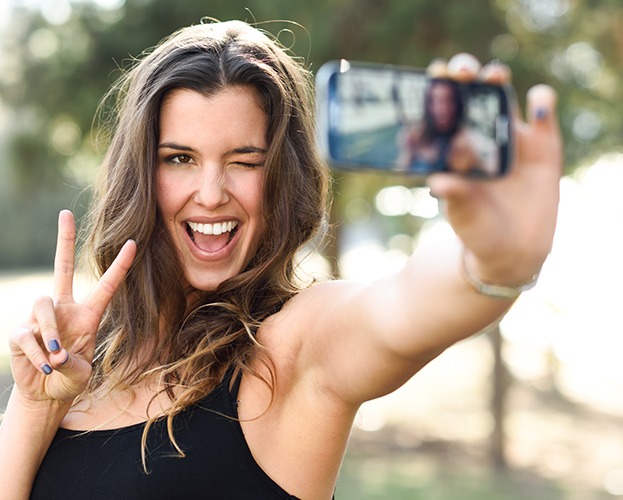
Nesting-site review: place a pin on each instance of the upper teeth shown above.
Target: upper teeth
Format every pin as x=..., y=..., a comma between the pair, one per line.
x=216, y=229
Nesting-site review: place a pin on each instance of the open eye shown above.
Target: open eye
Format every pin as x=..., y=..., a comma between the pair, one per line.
x=179, y=159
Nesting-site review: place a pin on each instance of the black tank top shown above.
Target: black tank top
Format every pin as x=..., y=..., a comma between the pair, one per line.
x=107, y=464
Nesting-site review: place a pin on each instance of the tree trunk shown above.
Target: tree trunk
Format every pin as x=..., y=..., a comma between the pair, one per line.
x=500, y=385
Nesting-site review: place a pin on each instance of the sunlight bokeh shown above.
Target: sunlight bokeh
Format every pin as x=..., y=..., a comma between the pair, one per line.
x=571, y=322
x=573, y=317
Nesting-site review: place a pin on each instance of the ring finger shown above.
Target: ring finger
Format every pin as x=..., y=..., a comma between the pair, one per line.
x=23, y=341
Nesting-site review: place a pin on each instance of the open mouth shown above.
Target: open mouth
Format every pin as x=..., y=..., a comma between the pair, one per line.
x=212, y=237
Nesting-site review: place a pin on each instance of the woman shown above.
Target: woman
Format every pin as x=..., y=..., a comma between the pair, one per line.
x=198, y=367
x=440, y=142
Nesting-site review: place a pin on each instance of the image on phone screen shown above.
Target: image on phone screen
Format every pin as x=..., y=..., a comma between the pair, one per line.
x=397, y=119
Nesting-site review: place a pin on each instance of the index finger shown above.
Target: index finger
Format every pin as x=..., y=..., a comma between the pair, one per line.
x=106, y=287
x=64, y=258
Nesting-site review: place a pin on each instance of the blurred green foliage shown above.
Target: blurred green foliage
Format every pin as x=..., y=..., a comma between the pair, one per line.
x=58, y=58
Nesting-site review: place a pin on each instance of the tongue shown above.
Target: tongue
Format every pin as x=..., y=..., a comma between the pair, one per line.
x=211, y=243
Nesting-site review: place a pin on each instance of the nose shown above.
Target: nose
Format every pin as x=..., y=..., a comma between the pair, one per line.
x=211, y=190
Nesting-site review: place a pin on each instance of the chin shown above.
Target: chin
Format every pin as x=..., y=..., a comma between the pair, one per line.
x=208, y=283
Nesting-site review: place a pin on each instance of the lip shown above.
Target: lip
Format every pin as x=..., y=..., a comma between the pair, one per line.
x=202, y=255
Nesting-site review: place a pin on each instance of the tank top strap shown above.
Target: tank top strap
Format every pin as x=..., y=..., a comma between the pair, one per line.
x=231, y=383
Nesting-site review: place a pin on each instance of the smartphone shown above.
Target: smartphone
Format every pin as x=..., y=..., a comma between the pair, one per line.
x=398, y=119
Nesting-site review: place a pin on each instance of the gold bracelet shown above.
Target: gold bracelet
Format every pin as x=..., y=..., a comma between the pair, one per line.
x=493, y=290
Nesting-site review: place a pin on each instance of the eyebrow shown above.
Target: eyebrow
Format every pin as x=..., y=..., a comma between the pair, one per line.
x=240, y=150
x=172, y=145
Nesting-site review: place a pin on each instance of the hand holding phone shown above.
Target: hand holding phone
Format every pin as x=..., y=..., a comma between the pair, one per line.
x=398, y=119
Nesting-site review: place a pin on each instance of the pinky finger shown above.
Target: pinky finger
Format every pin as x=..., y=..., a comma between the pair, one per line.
x=24, y=343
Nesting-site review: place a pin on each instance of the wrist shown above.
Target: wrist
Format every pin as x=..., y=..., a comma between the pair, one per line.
x=32, y=408
x=499, y=284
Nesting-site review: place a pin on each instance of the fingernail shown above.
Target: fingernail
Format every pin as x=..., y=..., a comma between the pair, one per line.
x=47, y=369
x=464, y=63
x=54, y=345
x=66, y=359
x=438, y=68
x=541, y=113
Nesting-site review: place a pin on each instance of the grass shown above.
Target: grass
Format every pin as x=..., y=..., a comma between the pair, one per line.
x=424, y=476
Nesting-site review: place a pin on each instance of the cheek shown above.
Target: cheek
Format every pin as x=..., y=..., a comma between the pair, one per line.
x=164, y=196
x=255, y=208
x=258, y=203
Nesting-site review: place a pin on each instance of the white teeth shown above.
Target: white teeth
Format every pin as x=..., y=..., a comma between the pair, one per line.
x=216, y=229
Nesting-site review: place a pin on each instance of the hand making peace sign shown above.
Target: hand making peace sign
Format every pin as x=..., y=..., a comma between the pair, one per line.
x=52, y=352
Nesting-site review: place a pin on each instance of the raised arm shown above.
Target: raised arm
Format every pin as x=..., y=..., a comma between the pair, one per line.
x=369, y=339
x=51, y=355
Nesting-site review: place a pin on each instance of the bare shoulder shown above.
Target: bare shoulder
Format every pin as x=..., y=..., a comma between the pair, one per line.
x=294, y=336
x=307, y=343
x=306, y=315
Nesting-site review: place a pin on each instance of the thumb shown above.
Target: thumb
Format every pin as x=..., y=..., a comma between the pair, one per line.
x=61, y=360
x=539, y=142
x=74, y=368
x=541, y=106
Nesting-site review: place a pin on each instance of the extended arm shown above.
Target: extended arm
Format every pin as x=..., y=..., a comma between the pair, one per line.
x=371, y=339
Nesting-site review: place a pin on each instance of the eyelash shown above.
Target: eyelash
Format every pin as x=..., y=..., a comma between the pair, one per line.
x=249, y=165
x=176, y=160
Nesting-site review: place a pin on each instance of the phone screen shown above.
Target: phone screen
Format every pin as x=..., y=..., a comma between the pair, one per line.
x=398, y=119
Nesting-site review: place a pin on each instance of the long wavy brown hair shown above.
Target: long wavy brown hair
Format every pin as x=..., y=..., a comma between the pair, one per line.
x=148, y=328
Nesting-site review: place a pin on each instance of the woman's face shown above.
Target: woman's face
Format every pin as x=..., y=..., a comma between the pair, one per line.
x=442, y=107
x=210, y=179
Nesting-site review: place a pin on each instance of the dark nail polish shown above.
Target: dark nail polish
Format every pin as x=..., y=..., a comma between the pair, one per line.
x=541, y=113
x=47, y=369
x=66, y=359
x=54, y=345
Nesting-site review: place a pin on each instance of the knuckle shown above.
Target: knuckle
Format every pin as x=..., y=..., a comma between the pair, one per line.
x=43, y=301
x=65, y=266
x=17, y=335
x=47, y=327
x=24, y=343
x=67, y=235
x=107, y=286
